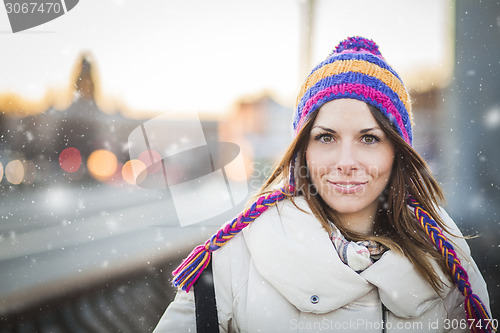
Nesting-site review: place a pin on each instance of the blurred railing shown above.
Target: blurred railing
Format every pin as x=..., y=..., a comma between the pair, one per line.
x=132, y=303
x=105, y=268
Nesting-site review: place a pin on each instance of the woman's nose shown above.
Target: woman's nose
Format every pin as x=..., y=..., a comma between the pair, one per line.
x=346, y=162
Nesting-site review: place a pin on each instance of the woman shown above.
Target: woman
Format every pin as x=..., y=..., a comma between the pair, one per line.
x=349, y=234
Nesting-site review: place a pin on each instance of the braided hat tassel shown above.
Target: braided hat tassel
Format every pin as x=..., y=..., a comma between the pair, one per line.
x=477, y=315
x=191, y=268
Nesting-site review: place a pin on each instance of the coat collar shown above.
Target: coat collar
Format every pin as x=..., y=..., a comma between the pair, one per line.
x=293, y=252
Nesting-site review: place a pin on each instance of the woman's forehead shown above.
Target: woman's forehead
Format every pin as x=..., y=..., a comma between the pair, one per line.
x=345, y=113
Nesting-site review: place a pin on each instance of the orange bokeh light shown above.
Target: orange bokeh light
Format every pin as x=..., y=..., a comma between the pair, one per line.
x=14, y=172
x=102, y=164
x=134, y=172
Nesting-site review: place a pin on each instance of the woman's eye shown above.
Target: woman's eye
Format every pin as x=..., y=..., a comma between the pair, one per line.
x=369, y=139
x=325, y=138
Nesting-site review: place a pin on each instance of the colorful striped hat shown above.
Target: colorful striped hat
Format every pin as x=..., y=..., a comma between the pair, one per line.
x=356, y=69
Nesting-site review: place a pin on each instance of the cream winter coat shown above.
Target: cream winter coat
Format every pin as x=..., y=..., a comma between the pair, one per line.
x=282, y=274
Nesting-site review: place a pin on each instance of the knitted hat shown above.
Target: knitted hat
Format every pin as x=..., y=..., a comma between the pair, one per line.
x=357, y=70
x=354, y=70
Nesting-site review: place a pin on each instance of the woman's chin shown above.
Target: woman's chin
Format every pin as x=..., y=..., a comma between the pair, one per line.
x=353, y=205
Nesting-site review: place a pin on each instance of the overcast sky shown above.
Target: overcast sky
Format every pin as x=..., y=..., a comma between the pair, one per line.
x=164, y=55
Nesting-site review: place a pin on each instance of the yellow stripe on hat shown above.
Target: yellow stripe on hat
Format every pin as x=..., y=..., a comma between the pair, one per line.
x=357, y=66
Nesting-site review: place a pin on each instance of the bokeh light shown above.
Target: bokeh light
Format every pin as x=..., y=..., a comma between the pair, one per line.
x=151, y=159
x=14, y=172
x=1, y=171
x=134, y=172
x=70, y=159
x=102, y=164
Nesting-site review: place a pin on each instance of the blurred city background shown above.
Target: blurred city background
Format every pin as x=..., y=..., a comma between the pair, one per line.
x=87, y=245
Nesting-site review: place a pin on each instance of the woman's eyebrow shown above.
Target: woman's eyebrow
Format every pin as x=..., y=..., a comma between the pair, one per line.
x=369, y=129
x=326, y=129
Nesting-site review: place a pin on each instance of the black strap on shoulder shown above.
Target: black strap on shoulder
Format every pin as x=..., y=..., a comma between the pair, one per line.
x=204, y=300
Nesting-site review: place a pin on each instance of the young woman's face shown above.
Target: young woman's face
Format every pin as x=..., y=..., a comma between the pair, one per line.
x=349, y=158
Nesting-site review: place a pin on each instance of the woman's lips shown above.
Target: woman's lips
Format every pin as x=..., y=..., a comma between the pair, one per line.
x=348, y=187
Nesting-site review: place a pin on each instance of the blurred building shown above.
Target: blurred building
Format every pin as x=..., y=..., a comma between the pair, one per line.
x=38, y=140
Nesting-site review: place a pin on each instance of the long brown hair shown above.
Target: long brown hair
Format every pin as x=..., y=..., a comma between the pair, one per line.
x=395, y=223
